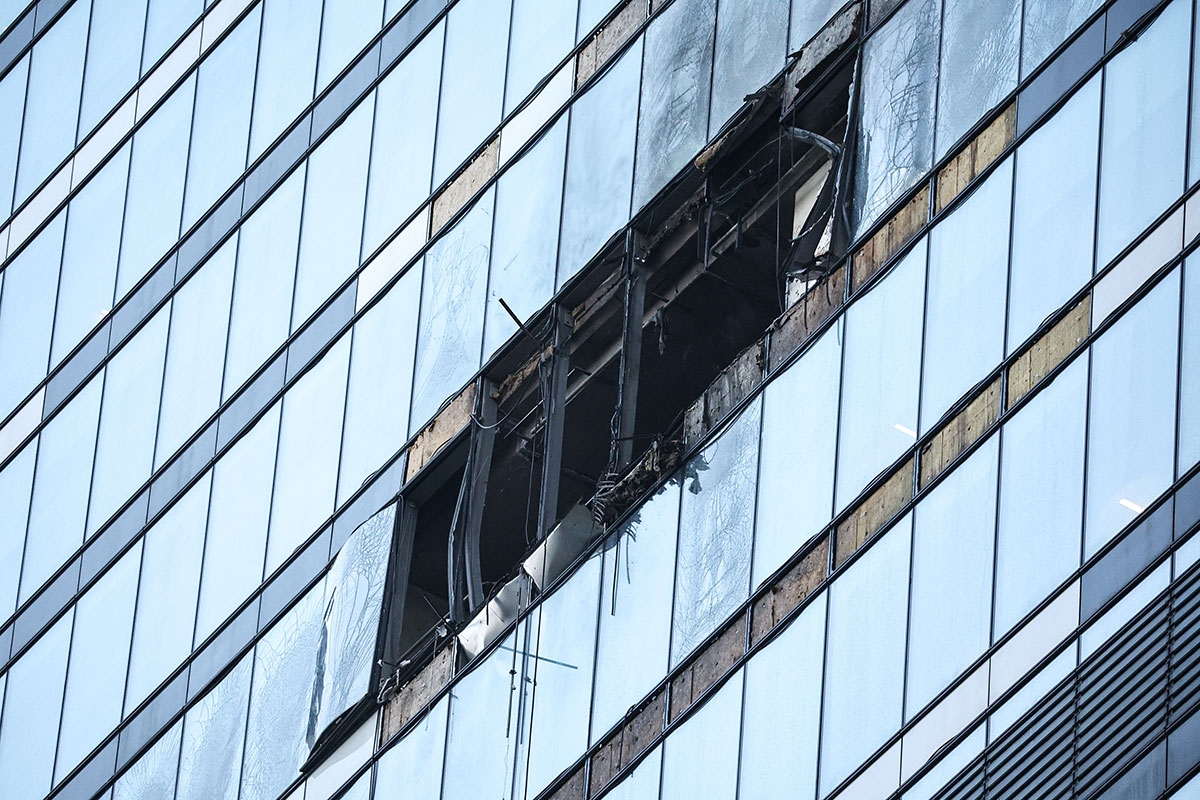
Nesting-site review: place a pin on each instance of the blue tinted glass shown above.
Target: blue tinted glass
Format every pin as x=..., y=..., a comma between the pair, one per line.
x=31, y=714
x=165, y=23
x=166, y=604
x=414, y=765
x=1041, y=496
x=968, y=275
x=402, y=150
x=333, y=213
x=99, y=656
x=125, y=444
x=1189, y=376
x=1047, y=24
x=882, y=375
x=27, y=315
x=751, y=48
x=635, y=608
x=452, y=301
x=60, y=491
x=12, y=109
x=1131, y=432
x=808, y=18
x=16, y=486
x=1054, y=213
x=381, y=368
x=345, y=29
x=221, y=118
x=196, y=358
x=89, y=267
x=262, y=289
x=287, y=64
x=472, y=80
x=52, y=104
x=1145, y=128
x=700, y=758
x=676, y=73
x=306, y=469
x=542, y=33
x=716, y=527
x=525, y=245
x=155, y=187
x=152, y=775
x=237, y=526
x=213, y=734
x=599, y=163
x=864, y=656
x=953, y=536
x=113, y=56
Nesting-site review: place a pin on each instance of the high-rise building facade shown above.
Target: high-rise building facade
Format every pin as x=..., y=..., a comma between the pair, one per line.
x=455, y=399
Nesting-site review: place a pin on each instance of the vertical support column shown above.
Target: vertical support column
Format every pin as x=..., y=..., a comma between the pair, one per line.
x=554, y=408
x=631, y=346
x=392, y=617
x=483, y=439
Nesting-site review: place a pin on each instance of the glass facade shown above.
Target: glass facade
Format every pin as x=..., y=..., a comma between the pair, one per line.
x=268, y=266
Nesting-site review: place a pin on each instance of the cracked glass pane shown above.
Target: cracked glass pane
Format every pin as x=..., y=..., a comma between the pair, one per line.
x=451, y=330
x=355, y=592
x=672, y=122
x=213, y=734
x=283, y=704
x=716, y=525
x=808, y=18
x=1048, y=23
x=751, y=45
x=980, y=48
x=153, y=775
x=635, y=608
x=599, y=163
x=895, y=129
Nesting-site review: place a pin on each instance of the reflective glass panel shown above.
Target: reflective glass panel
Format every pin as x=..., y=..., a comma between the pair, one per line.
x=27, y=315
x=12, y=110
x=472, y=80
x=953, y=535
x=89, y=259
x=214, y=731
x=716, y=528
x=287, y=65
x=128, y=417
x=1047, y=24
x=808, y=17
x=333, y=213
x=152, y=775
x=1189, y=375
x=60, y=488
x=99, y=657
x=306, y=469
x=224, y=91
x=525, y=245
x=166, y=605
x=750, y=49
x=413, y=766
x=31, y=713
x=783, y=710
x=16, y=486
x=700, y=757
x=402, y=151
x=980, y=48
x=676, y=76
x=165, y=22
x=643, y=782
x=795, y=480
x=864, y=656
x=237, y=525
x=882, y=376
x=155, y=198
x=635, y=608
x=895, y=132
x=52, y=103
x=452, y=300
x=1145, y=129
x=346, y=27
x=1054, y=213
x=542, y=33
x=262, y=288
x=1041, y=496
x=196, y=354
x=1131, y=434
x=599, y=163
x=381, y=368
x=968, y=275
x=113, y=56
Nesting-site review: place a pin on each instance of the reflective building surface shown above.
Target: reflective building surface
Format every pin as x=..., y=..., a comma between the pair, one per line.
x=566, y=399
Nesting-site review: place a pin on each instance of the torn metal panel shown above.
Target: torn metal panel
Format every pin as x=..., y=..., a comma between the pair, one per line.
x=561, y=547
x=496, y=616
